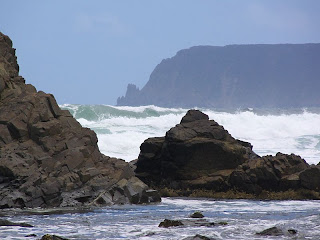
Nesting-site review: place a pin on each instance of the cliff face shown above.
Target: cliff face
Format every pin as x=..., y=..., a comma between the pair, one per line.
x=281, y=75
x=47, y=159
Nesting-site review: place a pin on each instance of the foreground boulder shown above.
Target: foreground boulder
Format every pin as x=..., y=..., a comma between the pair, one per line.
x=47, y=159
x=199, y=158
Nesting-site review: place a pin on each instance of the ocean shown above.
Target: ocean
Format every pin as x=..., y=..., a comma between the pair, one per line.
x=120, y=132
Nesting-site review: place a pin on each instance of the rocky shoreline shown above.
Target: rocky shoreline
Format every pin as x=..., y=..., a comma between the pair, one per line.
x=47, y=159
x=199, y=158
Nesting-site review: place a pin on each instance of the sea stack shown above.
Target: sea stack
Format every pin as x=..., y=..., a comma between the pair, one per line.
x=198, y=157
x=47, y=159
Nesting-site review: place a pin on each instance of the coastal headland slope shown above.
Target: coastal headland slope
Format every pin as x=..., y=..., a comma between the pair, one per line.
x=233, y=76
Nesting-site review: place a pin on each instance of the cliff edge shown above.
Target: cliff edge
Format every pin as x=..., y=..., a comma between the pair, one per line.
x=234, y=76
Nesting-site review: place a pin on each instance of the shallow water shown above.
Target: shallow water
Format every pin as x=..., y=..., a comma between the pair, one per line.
x=244, y=218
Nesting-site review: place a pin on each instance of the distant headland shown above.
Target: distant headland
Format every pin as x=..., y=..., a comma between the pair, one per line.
x=234, y=76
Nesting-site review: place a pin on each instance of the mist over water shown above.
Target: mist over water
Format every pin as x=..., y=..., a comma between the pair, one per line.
x=121, y=130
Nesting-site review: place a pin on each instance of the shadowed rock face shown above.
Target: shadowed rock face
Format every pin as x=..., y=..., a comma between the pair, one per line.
x=233, y=76
x=198, y=154
x=47, y=158
x=192, y=150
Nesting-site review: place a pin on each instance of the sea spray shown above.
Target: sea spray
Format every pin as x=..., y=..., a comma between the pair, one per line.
x=121, y=130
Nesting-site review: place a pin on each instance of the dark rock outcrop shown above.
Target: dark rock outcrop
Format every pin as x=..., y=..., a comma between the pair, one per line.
x=199, y=154
x=273, y=173
x=52, y=237
x=47, y=159
x=274, y=231
x=167, y=223
x=170, y=223
x=197, y=215
x=262, y=75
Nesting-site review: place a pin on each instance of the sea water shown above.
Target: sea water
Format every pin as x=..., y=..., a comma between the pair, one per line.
x=121, y=130
x=244, y=219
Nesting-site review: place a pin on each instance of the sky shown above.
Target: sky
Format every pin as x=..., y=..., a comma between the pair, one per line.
x=86, y=52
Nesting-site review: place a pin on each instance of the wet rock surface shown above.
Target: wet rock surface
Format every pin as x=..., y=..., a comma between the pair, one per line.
x=167, y=223
x=198, y=237
x=275, y=231
x=197, y=215
x=47, y=159
x=199, y=158
x=52, y=237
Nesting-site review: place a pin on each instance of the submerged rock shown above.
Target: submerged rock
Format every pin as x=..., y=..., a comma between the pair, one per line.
x=7, y=223
x=52, y=237
x=292, y=231
x=273, y=231
x=170, y=223
x=47, y=159
x=30, y=235
x=197, y=215
x=186, y=223
x=198, y=237
x=199, y=158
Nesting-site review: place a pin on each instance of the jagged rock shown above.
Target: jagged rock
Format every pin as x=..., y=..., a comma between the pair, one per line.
x=198, y=157
x=7, y=223
x=196, y=153
x=310, y=178
x=273, y=173
x=47, y=159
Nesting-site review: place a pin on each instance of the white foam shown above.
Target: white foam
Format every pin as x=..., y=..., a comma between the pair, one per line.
x=121, y=136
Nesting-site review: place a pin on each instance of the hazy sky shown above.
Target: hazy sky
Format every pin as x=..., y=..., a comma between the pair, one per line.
x=87, y=51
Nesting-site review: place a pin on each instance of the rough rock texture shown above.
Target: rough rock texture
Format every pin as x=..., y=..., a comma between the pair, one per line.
x=199, y=154
x=47, y=159
x=234, y=76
